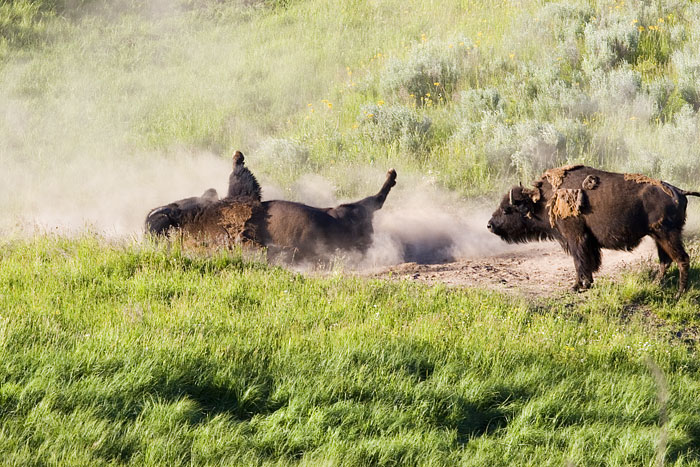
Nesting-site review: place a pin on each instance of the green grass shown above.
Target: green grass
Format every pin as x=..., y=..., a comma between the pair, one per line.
x=139, y=353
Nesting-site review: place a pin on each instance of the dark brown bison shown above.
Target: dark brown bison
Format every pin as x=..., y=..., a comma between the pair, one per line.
x=178, y=213
x=586, y=209
x=294, y=230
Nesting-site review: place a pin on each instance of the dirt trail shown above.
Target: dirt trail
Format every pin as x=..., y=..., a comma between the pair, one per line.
x=537, y=269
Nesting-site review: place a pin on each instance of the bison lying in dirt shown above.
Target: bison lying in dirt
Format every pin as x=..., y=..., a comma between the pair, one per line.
x=294, y=230
x=178, y=213
x=586, y=209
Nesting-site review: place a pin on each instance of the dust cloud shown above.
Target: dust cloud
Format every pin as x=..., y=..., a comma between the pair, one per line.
x=419, y=222
x=423, y=223
x=110, y=196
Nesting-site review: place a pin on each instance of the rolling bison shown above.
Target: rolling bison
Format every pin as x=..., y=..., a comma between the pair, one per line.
x=293, y=230
x=178, y=213
x=586, y=209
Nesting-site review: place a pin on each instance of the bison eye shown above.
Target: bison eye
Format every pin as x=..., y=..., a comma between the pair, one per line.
x=508, y=210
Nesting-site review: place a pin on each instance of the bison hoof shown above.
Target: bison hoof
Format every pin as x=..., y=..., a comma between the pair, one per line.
x=581, y=286
x=391, y=175
x=679, y=294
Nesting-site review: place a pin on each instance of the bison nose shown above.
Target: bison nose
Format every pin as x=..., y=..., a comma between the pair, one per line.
x=489, y=226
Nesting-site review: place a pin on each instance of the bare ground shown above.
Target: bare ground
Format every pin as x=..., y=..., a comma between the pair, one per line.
x=536, y=270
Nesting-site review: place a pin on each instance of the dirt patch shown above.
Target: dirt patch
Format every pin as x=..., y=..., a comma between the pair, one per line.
x=590, y=182
x=565, y=203
x=535, y=270
x=639, y=178
x=555, y=176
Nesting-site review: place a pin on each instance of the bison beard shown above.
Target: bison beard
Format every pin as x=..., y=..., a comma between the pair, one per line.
x=590, y=209
x=294, y=231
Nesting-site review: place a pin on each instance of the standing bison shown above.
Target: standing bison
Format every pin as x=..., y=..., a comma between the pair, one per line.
x=586, y=209
x=294, y=230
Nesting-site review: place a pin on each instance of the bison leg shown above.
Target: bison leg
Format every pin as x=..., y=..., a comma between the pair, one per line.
x=586, y=253
x=374, y=203
x=664, y=262
x=672, y=244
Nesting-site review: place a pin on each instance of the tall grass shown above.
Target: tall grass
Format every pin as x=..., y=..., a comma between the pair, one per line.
x=142, y=354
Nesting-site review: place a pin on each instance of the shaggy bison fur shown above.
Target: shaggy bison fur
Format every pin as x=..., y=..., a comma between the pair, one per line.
x=293, y=230
x=586, y=209
x=161, y=220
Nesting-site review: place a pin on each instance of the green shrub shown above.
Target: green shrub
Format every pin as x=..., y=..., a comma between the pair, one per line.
x=395, y=124
x=609, y=42
x=431, y=71
x=282, y=152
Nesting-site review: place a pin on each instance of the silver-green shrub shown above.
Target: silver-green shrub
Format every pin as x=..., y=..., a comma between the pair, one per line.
x=395, y=124
x=472, y=104
x=431, y=70
x=541, y=146
x=281, y=152
x=609, y=41
x=687, y=66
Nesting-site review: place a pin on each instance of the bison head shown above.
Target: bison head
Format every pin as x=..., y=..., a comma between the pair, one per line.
x=519, y=216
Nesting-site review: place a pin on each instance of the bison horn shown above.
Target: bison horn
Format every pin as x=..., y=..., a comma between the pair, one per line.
x=510, y=196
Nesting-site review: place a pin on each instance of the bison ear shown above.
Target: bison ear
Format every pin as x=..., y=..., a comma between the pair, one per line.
x=534, y=194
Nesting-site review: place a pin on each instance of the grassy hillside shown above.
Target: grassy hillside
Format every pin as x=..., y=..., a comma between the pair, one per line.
x=128, y=352
x=474, y=94
x=144, y=355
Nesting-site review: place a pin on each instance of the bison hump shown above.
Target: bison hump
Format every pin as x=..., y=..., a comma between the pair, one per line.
x=556, y=176
x=639, y=178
